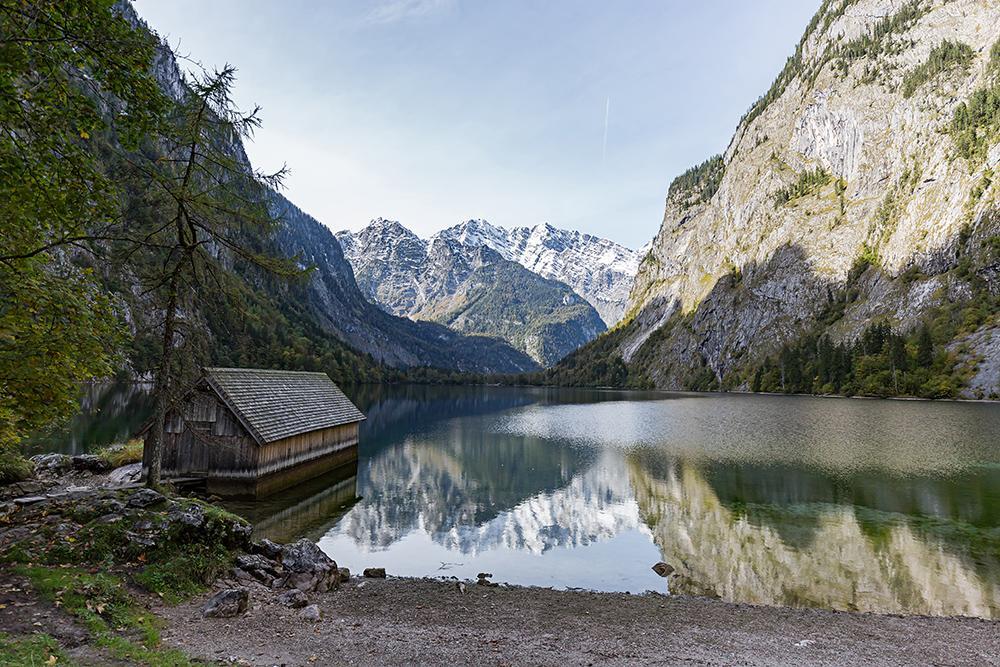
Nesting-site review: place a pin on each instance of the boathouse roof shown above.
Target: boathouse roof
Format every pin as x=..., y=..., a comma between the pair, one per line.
x=275, y=404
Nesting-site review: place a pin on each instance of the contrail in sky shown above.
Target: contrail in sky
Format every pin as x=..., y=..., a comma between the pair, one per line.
x=604, y=146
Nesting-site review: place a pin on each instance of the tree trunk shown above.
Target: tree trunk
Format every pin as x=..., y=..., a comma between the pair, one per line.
x=155, y=442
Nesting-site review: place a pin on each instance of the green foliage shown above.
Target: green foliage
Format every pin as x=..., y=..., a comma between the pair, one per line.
x=976, y=125
x=946, y=57
x=13, y=466
x=596, y=364
x=877, y=41
x=807, y=183
x=698, y=184
x=880, y=362
x=56, y=327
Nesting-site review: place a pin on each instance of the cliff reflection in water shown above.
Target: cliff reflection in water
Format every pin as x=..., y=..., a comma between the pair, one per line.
x=762, y=500
x=808, y=541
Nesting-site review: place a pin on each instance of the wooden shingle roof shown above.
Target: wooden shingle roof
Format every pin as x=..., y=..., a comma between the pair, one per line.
x=275, y=404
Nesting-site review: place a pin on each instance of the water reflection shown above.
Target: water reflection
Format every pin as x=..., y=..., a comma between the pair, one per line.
x=110, y=412
x=856, y=505
x=823, y=553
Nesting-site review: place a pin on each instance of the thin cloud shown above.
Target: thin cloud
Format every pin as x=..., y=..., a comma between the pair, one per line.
x=395, y=11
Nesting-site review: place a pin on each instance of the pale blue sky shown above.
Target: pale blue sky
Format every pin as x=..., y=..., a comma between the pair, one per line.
x=435, y=111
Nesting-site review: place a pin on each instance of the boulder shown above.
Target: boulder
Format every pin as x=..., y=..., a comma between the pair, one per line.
x=267, y=549
x=263, y=570
x=375, y=572
x=52, y=462
x=307, y=568
x=192, y=516
x=294, y=599
x=311, y=613
x=127, y=474
x=344, y=574
x=226, y=603
x=143, y=498
x=90, y=462
x=28, y=500
x=663, y=569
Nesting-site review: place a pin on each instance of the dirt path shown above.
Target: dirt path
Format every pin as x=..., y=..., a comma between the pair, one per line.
x=408, y=621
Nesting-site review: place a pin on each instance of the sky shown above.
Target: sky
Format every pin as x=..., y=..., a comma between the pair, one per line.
x=578, y=113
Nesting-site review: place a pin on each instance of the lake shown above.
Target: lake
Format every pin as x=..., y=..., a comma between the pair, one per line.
x=868, y=505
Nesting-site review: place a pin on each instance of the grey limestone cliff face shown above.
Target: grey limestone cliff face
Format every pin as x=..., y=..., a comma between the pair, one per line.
x=753, y=264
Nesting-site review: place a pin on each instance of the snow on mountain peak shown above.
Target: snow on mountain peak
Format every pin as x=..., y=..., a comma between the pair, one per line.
x=599, y=270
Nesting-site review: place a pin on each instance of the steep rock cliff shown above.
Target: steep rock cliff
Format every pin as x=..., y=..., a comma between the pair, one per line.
x=874, y=150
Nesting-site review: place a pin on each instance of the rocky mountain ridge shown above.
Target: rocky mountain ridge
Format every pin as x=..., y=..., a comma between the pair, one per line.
x=470, y=288
x=599, y=270
x=859, y=189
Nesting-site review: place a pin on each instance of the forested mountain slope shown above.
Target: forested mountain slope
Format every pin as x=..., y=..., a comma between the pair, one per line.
x=321, y=322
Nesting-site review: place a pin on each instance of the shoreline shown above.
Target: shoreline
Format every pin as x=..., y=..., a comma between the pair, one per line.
x=429, y=621
x=152, y=562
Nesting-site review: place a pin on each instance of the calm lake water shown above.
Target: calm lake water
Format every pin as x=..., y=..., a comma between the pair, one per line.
x=884, y=506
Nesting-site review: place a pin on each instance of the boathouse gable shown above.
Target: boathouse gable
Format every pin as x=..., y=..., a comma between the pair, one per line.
x=251, y=432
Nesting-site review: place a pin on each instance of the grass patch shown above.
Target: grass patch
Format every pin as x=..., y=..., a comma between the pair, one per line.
x=123, y=453
x=31, y=650
x=103, y=605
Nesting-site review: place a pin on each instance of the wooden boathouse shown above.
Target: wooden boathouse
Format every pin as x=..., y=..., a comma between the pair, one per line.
x=251, y=432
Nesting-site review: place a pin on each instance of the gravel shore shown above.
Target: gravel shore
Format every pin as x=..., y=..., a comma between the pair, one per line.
x=419, y=621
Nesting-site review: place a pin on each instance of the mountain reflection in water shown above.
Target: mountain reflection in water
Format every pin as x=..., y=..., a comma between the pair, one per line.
x=882, y=506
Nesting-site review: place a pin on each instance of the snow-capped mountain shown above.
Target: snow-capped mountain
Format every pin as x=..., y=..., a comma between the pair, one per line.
x=599, y=270
x=470, y=288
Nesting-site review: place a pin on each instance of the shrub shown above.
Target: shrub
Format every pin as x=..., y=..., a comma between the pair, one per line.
x=123, y=453
x=13, y=466
x=945, y=57
x=808, y=182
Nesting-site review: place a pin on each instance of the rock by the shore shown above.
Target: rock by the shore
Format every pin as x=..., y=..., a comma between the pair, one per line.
x=143, y=498
x=374, y=572
x=90, y=462
x=126, y=474
x=28, y=500
x=307, y=568
x=311, y=613
x=267, y=549
x=51, y=462
x=663, y=569
x=294, y=599
x=345, y=574
x=226, y=603
x=258, y=567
